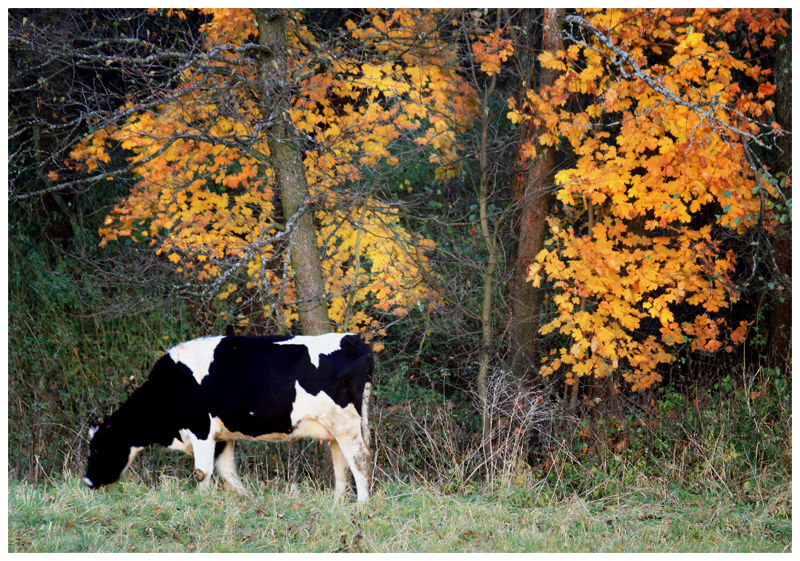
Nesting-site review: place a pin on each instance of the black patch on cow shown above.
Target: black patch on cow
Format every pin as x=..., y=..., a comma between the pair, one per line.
x=249, y=385
x=108, y=455
x=343, y=373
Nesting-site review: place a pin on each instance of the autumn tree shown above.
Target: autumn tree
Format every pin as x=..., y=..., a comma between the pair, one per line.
x=780, y=235
x=664, y=172
x=212, y=155
x=65, y=72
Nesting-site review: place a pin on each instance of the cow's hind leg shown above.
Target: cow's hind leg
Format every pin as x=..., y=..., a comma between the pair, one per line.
x=340, y=471
x=357, y=456
x=226, y=467
x=347, y=430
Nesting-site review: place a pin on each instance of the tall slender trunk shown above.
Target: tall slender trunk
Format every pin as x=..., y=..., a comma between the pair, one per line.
x=287, y=161
x=490, y=240
x=535, y=198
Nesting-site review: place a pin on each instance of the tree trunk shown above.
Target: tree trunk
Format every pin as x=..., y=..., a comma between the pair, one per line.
x=490, y=240
x=535, y=198
x=287, y=161
x=780, y=335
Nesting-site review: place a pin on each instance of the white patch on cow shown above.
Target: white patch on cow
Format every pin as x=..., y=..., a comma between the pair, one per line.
x=317, y=344
x=307, y=406
x=92, y=431
x=318, y=416
x=196, y=354
x=305, y=428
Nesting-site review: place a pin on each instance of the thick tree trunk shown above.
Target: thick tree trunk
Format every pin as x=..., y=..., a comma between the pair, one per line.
x=286, y=160
x=780, y=335
x=535, y=198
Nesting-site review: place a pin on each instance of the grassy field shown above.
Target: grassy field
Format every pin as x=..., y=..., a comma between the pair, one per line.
x=64, y=516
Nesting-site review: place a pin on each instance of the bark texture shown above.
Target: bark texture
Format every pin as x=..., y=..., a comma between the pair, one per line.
x=535, y=198
x=287, y=161
x=780, y=336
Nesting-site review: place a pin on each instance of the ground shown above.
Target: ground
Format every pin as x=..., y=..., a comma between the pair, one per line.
x=282, y=517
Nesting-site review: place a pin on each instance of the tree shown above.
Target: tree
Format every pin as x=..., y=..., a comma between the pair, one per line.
x=781, y=236
x=490, y=49
x=535, y=196
x=208, y=159
x=636, y=259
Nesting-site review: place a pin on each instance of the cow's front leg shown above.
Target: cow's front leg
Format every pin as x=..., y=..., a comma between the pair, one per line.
x=203, y=460
x=226, y=468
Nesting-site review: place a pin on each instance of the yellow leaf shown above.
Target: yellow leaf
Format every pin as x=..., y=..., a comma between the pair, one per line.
x=514, y=116
x=693, y=39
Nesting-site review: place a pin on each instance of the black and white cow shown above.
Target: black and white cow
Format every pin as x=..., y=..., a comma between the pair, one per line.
x=205, y=393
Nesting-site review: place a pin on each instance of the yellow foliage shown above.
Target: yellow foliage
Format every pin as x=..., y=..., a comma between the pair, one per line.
x=663, y=166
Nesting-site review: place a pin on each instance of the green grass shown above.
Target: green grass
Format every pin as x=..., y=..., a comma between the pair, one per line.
x=64, y=516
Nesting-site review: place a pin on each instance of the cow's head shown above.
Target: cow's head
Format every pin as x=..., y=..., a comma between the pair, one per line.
x=108, y=454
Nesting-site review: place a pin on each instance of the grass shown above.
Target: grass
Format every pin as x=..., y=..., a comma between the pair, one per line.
x=64, y=516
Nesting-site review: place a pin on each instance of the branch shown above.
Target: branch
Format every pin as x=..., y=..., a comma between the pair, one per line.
x=284, y=231
x=621, y=57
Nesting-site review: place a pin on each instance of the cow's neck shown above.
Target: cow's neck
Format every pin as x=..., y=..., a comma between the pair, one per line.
x=135, y=416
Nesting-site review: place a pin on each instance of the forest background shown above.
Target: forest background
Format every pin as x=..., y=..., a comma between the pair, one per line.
x=565, y=233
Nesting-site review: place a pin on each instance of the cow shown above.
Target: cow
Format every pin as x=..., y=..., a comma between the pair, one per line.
x=204, y=394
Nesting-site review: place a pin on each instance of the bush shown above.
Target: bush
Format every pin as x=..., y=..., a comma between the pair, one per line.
x=733, y=436
x=441, y=442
